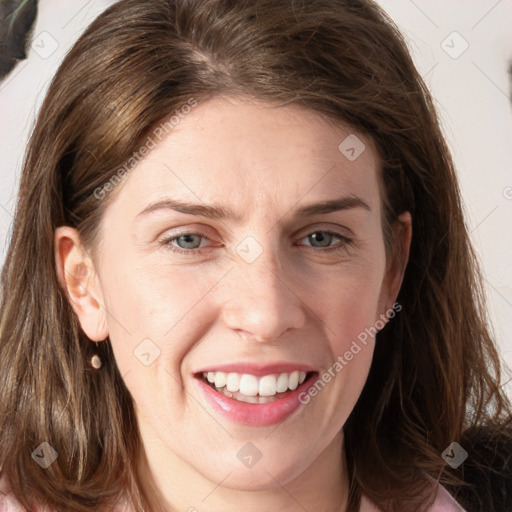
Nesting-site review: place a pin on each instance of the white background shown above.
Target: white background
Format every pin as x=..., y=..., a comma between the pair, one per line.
x=471, y=87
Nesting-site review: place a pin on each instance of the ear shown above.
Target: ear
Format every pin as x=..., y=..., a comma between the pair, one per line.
x=79, y=280
x=397, y=261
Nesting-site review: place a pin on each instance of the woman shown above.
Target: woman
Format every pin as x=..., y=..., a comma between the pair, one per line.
x=239, y=274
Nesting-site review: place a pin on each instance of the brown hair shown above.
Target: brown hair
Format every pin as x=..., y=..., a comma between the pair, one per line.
x=436, y=372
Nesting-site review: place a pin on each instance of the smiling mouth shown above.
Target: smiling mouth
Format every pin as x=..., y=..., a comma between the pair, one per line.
x=245, y=387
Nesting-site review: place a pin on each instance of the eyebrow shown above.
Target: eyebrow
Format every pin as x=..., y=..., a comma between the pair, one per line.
x=221, y=213
x=333, y=205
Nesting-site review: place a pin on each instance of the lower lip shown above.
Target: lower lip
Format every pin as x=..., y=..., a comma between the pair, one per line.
x=254, y=414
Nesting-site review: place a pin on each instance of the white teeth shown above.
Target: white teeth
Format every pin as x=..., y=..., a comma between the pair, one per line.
x=294, y=380
x=233, y=382
x=220, y=379
x=249, y=385
x=268, y=385
x=282, y=383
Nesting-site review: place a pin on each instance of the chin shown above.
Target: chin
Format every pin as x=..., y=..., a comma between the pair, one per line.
x=264, y=475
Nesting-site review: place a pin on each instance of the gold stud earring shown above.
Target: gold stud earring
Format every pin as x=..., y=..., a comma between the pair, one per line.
x=96, y=362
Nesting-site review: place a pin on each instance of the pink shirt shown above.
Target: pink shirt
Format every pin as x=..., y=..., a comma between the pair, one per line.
x=443, y=503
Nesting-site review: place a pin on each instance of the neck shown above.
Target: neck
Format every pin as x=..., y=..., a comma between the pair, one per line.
x=170, y=484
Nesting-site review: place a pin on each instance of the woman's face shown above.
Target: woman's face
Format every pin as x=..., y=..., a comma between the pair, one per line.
x=246, y=247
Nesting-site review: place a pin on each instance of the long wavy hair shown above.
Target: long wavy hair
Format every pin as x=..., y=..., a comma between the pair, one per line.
x=435, y=376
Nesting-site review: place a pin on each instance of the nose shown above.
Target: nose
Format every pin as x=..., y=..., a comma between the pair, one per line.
x=262, y=302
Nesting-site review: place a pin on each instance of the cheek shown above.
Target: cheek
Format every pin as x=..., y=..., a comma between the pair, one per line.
x=351, y=304
x=350, y=314
x=350, y=325
x=353, y=314
x=155, y=298
x=155, y=314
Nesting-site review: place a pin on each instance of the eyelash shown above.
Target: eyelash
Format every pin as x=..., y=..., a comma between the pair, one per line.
x=345, y=241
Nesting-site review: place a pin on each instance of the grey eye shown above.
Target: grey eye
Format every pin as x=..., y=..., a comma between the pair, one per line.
x=320, y=239
x=188, y=241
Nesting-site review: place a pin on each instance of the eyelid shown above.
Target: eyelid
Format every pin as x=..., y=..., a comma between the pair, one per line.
x=168, y=238
x=331, y=233
x=342, y=245
x=333, y=229
x=200, y=230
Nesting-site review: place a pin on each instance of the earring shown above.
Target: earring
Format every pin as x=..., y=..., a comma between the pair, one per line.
x=96, y=362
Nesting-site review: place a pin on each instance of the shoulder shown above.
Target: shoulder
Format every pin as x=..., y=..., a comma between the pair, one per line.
x=8, y=503
x=443, y=503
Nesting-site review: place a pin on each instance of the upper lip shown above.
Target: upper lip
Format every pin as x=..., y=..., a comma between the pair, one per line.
x=258, y=370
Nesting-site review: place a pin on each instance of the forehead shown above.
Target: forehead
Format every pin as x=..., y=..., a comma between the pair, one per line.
x=230, y=151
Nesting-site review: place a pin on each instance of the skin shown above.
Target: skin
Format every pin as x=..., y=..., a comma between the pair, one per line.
x=294, y=303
